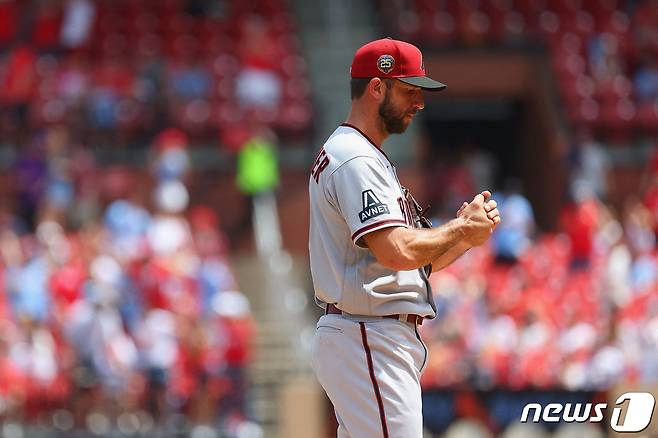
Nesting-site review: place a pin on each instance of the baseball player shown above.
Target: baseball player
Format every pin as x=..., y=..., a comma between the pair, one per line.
x=371, y=255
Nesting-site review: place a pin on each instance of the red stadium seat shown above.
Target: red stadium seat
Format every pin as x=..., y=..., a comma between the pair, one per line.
x=566, y=7
x=439, y=28
x=144, y=23
x=293, y=66
x=647, y=118
x=614, y=89
x=616, y=121
x=549, y=23
x=148, y=45
x=577, y=89
x=585, y=112
x=114, y=44
x=507, y=26
x=297, y=89
x=225, y=66
x=569, y=66
x=579, y=22
x=9, y=13
x=294, y=117
x=615, y=22
x=46, y=26
x=531, y=11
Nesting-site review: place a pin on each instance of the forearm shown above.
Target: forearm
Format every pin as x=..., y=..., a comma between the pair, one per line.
x=450, y=255
x=420, y=247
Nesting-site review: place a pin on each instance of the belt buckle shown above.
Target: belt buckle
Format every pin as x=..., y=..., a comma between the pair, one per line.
x=414, y=319
x=411, y=318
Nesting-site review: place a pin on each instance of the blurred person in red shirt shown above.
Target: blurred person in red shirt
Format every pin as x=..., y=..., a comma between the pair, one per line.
x=46, y=24
x=258, y=47
x=9, y=22
x=579, y=220
x=186, y=373
x=20, y=82
x=214, y=274
x=645, y=24
x=258, y=83
x=13, y=379
x=650, y=188
x=236, y=329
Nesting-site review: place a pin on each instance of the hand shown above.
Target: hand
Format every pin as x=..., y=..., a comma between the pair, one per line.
x=487, y=202
x=490, y=206
x=480, y=217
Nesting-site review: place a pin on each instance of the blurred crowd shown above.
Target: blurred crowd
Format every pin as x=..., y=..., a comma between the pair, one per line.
x=603, y=53
x=120, y=314
x=121, y=311
x=119, y=71
x=575, y=309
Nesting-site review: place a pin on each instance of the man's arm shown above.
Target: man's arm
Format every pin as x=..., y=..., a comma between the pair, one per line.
x=450, y=256
x=404, y=249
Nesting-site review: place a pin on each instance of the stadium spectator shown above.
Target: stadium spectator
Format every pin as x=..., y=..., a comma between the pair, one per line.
x=258, y=83
x=604, y=60
x=20, y=82
x=9, y=22
x=77, y=23
x=73, y=80
x=590, y=163
x=236, y=331
x=189, y=79
x=170, y=157
x=514, y=236
x=645, y=24
x=579, y=220
x=46, y=25
x=646, y=79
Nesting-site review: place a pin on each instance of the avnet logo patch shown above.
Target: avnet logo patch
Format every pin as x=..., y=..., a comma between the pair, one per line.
x=638, y=412
x=372, y=206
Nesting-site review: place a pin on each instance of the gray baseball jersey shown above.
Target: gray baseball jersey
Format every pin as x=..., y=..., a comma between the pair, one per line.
x=354, y=190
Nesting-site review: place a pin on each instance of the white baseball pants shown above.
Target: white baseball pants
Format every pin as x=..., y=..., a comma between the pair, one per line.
x=370, y=368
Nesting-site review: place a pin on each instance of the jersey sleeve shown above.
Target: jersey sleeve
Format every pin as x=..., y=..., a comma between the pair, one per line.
x=367, y=197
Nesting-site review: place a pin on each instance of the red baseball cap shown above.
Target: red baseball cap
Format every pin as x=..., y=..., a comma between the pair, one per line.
x=389, y=58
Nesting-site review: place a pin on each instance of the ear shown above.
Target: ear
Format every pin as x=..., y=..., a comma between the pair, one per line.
x=377, y=89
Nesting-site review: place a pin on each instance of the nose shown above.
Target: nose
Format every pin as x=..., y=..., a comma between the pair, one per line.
x=419, y=104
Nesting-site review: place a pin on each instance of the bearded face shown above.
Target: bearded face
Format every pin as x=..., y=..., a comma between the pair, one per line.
x=395, y=116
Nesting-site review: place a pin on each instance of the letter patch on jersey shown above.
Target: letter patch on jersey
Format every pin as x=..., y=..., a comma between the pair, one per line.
x=372, y=206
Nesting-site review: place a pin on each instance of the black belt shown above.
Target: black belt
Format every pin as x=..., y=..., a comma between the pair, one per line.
x=413, y=319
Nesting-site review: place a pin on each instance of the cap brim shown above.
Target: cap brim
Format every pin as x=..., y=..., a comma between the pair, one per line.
x=424, y=82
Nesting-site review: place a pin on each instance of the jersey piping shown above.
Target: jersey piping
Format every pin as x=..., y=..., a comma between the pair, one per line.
x=360, y=232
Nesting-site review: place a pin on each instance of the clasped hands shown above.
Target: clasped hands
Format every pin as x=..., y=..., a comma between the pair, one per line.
x=480, y=216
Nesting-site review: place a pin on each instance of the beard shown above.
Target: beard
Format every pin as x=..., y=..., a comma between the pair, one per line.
x=392, y=118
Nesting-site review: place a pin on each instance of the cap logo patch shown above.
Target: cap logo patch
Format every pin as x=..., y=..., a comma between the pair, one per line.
x=385, y=64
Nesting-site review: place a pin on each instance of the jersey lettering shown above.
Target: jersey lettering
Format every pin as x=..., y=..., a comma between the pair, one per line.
x=406, y=210
x=321, y=163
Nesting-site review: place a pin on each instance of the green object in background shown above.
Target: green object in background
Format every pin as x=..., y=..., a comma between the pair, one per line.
x=258, y=168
